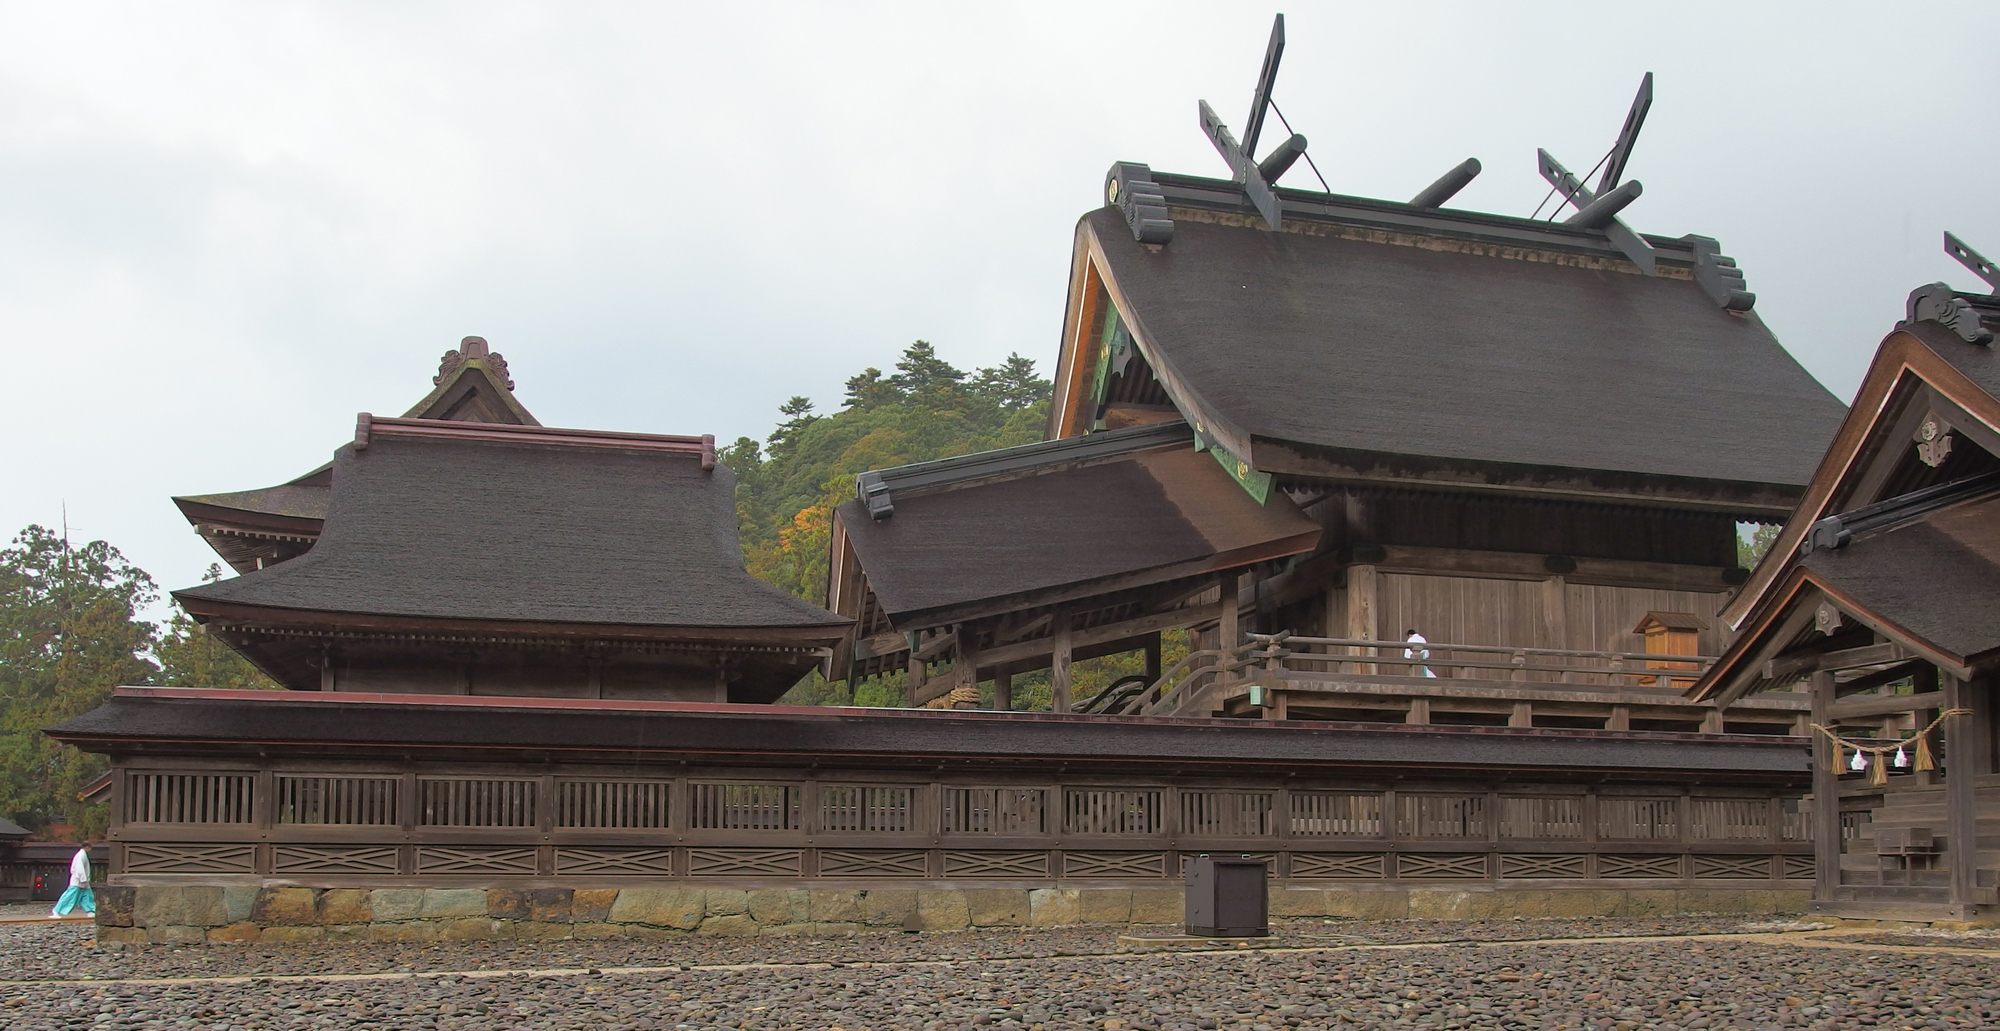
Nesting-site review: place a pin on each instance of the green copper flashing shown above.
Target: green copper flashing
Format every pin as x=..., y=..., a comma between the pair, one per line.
x=1256, y=484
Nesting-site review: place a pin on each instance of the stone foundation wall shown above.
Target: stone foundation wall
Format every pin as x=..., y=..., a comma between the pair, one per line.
x=184, y=914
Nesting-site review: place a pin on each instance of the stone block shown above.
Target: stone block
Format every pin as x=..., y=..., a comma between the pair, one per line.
x=177, y=934
x=551, y=905
x=725, y=902
x=1351, y=904
x=1648, y=902
x=185, y=905
x=453, y=903
x=288, y=907
x=539, y=931
x=114, y=906
x=405, y=931
x=1603, y=902
x=660, y=907
x=942, y=910
x=238, y=901
x=473, y=928
x=1104, y=905
x=776, y=906
x=832, y=905
x=1054, y=907
x=506, y=904
x=1159, y=906
x=234, y=933
x=392, y=905
x=887, y=907
x=1790, y=900
x=349, y=933
x=1297, y=901
x=592, y=905
x=735, y=925
x=291, y=935
x=997, y=907
x=597, y=929
x=114, y=935
x=1440, y=905
x=1721, y=900
x=345, y=906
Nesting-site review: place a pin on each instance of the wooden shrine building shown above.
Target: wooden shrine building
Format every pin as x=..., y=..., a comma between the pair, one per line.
x=1881, y=598
x=1516, y=438
x=440, y=553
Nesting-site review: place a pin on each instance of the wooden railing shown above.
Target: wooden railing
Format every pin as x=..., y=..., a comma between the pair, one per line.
x=1287, y=652
x=358, y=823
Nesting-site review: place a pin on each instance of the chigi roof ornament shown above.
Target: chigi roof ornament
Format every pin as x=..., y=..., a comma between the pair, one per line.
x=1939, y=303
x=1599, y=208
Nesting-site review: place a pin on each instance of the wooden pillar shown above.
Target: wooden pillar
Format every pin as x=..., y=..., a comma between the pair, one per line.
x=1963, y=755
x=918, y=671
x=1711, y=721
x=1420, y=711
x=1231, y=632
x=1523, y=715
x=1059, y=665
x=594, y=686
x=967, y=672
x=1153, y=658
x=1361, y=612
x=326, y=667
x=1621, y=718
x=1555, y=613
x=1003, y=690
x=1826, y=795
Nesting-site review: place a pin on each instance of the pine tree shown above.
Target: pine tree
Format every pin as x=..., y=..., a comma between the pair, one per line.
x=190, y=657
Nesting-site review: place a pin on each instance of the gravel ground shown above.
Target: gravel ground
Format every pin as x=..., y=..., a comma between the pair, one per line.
x=1063, y=979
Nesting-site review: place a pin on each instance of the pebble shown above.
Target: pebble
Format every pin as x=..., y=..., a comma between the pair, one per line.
x=1067, y=979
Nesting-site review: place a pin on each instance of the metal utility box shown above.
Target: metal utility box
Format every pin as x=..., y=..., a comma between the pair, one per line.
x=1228, y=897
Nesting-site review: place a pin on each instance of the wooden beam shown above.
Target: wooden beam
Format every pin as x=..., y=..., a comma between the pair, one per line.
x=1153, y=658
x=1092, y=636
x=1003, y=690
x=936, y=646
x=1790, y=665
x=1913, y=669
x=1229, y=625
x=880, y=645
x=1361, y=620
x=1059, y=665
x=1826, y=795
x=1961, y=815
x=1776, y=642
x=1883, y=705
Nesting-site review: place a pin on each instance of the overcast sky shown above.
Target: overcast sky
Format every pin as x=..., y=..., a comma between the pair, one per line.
x=224, y=230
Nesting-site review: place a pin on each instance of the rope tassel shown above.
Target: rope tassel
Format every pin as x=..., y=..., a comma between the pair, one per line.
x=1880, y=774
x=1924, y=760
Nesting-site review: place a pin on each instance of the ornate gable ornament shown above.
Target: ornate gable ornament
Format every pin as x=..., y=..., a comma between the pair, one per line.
x=468, y=349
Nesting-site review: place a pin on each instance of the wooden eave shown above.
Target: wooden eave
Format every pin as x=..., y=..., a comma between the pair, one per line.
x=1300, y=461
x=246, y=617
x=1903, y=353
x=199, y=513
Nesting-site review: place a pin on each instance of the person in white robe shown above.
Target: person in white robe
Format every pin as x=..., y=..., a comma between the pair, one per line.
x=78, y=893
x=1417, y=653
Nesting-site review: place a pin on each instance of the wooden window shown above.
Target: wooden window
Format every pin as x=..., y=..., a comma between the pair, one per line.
x=451, y=802
x=995, y=811
x=1541, y=817
x=852, y=808
x=614, y=804
x=1226, y=814
x=360, y=801
x=1638, y=819
x=1441, y=816
x=189, y=798
x=1330, y=814
x=746, y=807
x=1112, y=811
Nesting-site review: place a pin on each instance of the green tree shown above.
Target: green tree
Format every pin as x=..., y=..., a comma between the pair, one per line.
x=189, y=657
x=1750, y=549
x=69, y=633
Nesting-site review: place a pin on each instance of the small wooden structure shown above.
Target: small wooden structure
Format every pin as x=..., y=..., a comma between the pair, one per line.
x=1882, y=595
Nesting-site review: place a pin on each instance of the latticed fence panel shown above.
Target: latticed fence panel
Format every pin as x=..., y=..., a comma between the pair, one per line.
x=326, y=800
x=1113, y=811
x=1729, y=819
x=1358, y=866
x=654, y=861
x=1543, y=865
x=1336, y=814
x=1226, y=814
x=358, y=859
x=1627, y=866
x=1441, y=865
x=1733, y=867
x=455, y=802
x=189, y=798
x=746, y=807
x=1441, y=816
x=716, y=862
x=614, y=804
x=854, y=808
x=1799, y=868
x=1114, y=864
x=873, y=862
x=440, y=859
x=1541, y=817
x=1638, y=819
x=161, y=858
x=995, y=811
x=995, y=863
